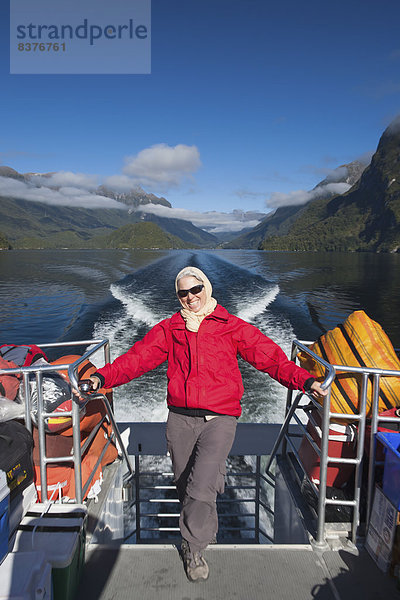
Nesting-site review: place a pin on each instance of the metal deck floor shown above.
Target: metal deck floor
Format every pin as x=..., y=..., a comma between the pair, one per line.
x=145, y=572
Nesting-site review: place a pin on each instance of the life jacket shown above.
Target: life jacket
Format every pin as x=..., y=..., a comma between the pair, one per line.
x=358, y=342
x=94, y=409
x=61, y=477
x=23, y=355
x=58, y=399
x=9, y=384
x=12, y=357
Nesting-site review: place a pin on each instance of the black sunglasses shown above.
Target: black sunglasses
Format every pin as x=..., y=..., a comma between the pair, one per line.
x=196, y=289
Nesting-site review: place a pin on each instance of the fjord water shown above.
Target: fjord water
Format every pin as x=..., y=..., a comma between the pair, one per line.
x=49, y=296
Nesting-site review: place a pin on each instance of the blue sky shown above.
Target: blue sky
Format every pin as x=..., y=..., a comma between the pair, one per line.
x=246, y=99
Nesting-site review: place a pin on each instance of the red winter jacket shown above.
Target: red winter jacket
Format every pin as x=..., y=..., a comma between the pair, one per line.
x=203, y=370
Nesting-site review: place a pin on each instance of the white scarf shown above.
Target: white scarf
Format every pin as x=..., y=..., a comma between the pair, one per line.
x=192, y=319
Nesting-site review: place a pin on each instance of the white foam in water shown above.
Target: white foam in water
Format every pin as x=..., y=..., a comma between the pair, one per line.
x=256, y=307
x=144, y=399
x=282, y=334
x=131, y=411
x=135, y=308
x=265, y=398
x=134, y=313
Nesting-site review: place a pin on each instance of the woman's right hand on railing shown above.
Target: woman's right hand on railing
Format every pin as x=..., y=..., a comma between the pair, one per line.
x=89, y=385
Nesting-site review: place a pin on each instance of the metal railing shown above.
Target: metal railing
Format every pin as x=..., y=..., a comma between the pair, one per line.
x=38, y=371
x=249, y=492
x=245, y=509
x=327, y=416
x=242, y=508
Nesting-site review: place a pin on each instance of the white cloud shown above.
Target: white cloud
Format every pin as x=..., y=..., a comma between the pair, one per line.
x=336, y=175
x=65, y=196
x=366, y=157
x=298, y=197
x=161, y=166
x=212, y=221
x=66, y=178
x=119, y=183
x=394, y=126
x=73, y=195
x=156, y=168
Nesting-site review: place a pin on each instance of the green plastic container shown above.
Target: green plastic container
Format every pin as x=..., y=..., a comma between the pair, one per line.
x=62, y=540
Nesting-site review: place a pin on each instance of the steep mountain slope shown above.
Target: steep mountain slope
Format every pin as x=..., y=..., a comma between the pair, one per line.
x=367, y=217
x=185, y=230
x=21, y=218
x=277, y=223
x=280, y=222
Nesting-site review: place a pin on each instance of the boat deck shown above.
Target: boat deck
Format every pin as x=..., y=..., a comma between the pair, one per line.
x=236, y=572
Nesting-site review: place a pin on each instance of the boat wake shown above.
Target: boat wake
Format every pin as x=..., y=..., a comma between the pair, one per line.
x=146, y=297
x=256, y=307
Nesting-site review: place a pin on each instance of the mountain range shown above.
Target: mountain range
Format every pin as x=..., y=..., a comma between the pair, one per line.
x=366, y=217
x=279, y=223
x=30, y=224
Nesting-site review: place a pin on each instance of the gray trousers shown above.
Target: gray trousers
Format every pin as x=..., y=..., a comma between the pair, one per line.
x=199, y=449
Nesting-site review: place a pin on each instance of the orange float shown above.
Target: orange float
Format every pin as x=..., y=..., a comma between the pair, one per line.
x=61, y=478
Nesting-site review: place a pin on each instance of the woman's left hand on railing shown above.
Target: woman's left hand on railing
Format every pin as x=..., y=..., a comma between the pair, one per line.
x=317, y=391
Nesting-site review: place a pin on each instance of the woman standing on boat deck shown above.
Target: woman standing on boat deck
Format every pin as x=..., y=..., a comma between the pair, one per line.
x=201, y=343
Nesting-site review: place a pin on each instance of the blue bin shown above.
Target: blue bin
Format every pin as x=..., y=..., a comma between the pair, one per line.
x=4, y=515
x=391, y=472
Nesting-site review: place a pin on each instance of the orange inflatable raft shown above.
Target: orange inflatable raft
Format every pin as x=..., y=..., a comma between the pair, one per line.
x=61, y=477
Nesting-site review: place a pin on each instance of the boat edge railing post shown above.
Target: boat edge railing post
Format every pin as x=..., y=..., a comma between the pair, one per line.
x=75, y=411
x=320, y=541
x=72, y=374
x=360, y=454
x=27, y=396
x=42, y=437
x=138, y=516
x=291, y=408
x=76, y=443
x=107, y=355
x=257, y=500
x=372, y=445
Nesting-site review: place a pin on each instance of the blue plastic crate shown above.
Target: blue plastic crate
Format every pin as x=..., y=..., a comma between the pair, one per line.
x=391, y=472
x=4, y=515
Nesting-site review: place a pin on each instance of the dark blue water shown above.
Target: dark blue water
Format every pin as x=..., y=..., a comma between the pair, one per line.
x=49, y=296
